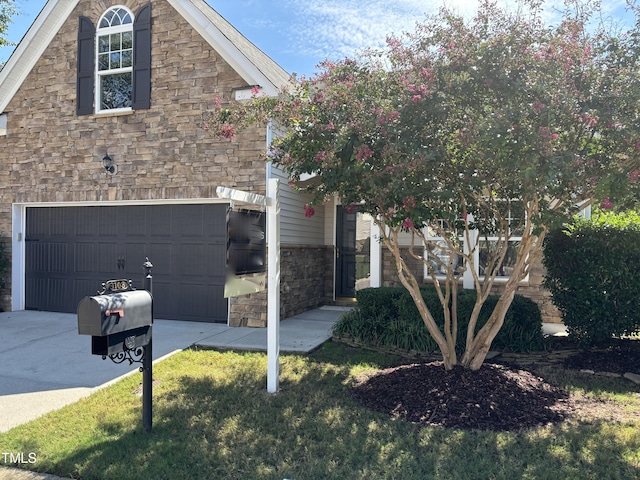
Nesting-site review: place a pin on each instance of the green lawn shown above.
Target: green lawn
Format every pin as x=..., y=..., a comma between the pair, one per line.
x=213, y=419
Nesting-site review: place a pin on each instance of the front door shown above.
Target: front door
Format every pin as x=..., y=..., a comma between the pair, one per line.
x=353, y=258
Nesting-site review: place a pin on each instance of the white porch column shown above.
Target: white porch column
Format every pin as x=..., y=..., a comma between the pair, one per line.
x=375, y=259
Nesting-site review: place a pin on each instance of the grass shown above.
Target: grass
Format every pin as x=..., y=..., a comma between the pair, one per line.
x=214, y=420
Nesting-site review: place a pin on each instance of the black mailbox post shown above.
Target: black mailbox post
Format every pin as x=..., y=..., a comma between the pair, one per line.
x=119, y=320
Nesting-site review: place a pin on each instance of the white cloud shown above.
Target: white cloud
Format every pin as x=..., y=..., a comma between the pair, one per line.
x=337, y=28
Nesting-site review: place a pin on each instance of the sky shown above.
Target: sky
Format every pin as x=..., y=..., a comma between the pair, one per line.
x=299, y=34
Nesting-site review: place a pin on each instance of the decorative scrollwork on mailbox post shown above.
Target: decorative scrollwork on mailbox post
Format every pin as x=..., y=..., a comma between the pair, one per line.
x=132, y=356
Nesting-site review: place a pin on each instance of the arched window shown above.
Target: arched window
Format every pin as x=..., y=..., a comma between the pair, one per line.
x=114, y=61
x=114, y=43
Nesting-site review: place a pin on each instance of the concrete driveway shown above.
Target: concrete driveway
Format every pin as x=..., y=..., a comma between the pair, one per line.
x=45, y=364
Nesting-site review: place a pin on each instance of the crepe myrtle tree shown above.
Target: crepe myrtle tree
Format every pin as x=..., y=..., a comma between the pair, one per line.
x=449, y=130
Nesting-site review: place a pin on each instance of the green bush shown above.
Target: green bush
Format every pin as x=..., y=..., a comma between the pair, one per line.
x=592, y=272
x=388, y=318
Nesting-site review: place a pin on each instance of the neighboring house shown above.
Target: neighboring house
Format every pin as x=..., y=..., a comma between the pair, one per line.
x=130, y=80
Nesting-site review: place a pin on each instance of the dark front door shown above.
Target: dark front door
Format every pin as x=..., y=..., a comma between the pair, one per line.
x=352, y=252
x=70, y=251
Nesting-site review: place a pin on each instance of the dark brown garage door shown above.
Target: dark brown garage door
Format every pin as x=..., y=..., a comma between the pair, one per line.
x=70, y=251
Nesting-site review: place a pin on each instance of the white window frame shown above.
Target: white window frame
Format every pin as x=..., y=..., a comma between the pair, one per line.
x=110, y=30
x=475, y=239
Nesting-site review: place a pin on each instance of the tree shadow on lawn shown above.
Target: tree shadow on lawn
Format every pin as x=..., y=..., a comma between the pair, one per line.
x=208, y=428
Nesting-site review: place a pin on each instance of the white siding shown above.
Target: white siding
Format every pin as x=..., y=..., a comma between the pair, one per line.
x=295, y=228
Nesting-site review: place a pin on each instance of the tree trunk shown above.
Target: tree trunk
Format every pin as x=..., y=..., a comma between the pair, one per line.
x=409, y=281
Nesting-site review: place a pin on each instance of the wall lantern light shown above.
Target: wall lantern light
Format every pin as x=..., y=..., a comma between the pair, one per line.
x=107, y=163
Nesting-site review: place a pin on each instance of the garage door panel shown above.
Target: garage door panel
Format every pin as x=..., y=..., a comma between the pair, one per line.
x=71, y=250
x=160, y=222
x=216, y=303
x=161, y=254
x=37, y=255
x=60, y=259
x=134, y=257
x=217, y=259
x=189, y=300
x=107, y=257
x=189, y=258
x=36, y=292
x=107, y=221
x=38, y=221
x=61, y=222
x=86, y=257
x=57, y=293
x=133, y=222
x=189, y=223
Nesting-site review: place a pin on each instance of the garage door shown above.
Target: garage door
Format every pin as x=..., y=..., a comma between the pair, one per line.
x=70, y=251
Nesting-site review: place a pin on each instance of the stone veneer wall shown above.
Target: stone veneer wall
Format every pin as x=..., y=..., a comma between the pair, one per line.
x=306, y=282
x=533, y=290
x=52, y=155
x=306, y=278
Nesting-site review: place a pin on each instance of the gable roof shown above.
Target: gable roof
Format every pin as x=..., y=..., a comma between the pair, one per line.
x=251, y=63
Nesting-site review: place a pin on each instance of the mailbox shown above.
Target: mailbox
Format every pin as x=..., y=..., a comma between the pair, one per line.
x=117, y=322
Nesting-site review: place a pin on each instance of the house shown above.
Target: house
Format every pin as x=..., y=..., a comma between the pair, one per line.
x=104, y=163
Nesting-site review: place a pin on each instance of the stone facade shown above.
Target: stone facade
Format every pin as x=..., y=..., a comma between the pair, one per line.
x=50, y=154
x=533, y=289
x=305, y=283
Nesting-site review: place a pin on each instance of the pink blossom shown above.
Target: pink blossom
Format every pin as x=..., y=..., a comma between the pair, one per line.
x=255, y=90
x=309, y=211
x=228, y=131
x=390, y=117
x=407, y=223
x=538, y=106
x=363, y=153
x=590, y=120
x=409, y=203
x=606, y=204
x=633, y=176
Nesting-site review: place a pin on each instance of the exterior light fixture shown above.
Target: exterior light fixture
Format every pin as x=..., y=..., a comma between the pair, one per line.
x=107, y=163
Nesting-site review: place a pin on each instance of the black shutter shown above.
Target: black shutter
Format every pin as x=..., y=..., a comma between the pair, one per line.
x=142, y=59
x=86, y=72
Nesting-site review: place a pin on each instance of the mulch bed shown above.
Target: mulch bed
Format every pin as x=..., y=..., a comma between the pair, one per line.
x=496, y=397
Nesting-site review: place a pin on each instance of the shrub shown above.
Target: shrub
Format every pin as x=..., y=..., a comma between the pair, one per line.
x=592, y=273
x=388, y=318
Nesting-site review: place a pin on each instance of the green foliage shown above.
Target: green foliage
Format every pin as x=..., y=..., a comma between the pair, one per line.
x=7, y=10
x=592, y=272
x=388, y=318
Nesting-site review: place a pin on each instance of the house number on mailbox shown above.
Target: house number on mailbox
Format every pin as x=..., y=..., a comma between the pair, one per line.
x=117, y=286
